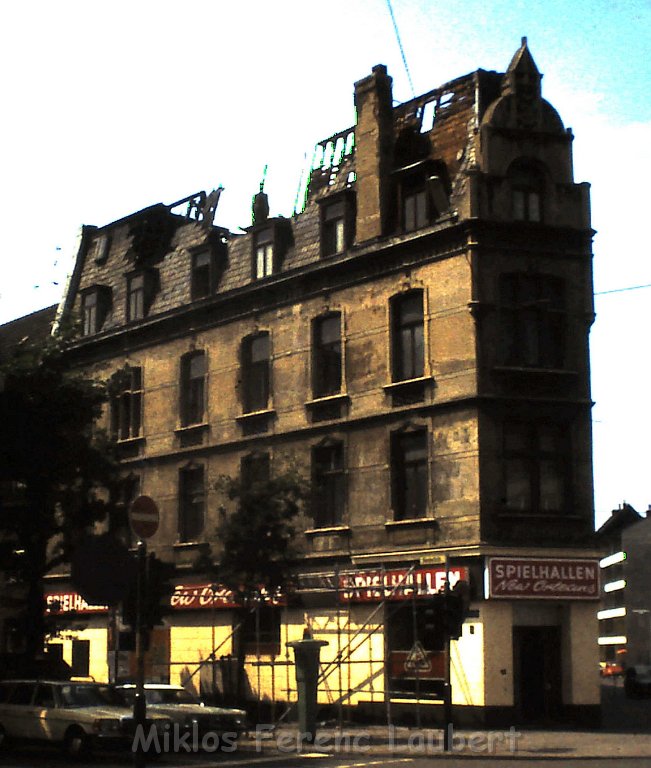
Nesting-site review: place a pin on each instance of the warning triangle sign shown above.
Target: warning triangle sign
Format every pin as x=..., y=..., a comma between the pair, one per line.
x=418, y=659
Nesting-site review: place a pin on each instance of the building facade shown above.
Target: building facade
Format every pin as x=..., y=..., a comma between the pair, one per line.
x=414, y=341
x=625, y=610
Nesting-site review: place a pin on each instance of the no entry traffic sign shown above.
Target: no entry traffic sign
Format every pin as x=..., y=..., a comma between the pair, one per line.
x=144, y=517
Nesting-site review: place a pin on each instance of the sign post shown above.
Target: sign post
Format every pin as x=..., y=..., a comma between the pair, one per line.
x=144, y=519
x=447, y=746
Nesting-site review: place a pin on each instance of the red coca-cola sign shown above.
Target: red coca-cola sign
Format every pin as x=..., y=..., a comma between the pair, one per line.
x=543, y=578
x=191, y=596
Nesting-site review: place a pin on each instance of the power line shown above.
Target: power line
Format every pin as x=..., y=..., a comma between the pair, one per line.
x=402, y=52
x=621, y=290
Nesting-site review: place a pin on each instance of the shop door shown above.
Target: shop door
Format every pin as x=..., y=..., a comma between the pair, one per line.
x=537, y=664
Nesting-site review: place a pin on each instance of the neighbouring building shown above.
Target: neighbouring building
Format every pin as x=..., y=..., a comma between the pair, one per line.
x=625, y=610
x=32, y=328
x=415, y=340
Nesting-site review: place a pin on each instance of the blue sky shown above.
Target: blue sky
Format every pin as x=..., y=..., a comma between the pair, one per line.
x=110, y=107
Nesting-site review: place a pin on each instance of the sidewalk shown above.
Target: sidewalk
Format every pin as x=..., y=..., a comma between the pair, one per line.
x=402, y=741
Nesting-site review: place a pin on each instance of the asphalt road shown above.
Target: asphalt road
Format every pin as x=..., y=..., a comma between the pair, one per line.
x=51, y=759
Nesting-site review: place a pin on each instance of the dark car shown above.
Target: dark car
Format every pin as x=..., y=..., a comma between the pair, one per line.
x=189, y=712
x=637, y=681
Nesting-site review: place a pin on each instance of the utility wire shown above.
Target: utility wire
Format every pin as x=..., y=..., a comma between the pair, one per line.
x=402, y=51
x=621, y=290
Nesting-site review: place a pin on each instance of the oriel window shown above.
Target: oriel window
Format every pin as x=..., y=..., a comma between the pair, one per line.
x=526, y=187
x=536, y=469
x=533, y=320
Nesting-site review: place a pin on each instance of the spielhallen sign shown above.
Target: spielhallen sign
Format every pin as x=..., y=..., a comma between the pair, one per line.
x=543, y=578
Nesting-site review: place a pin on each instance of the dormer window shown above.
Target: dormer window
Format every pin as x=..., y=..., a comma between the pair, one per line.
x=102, y=246
x=140, y=292
x=264, y=253
x=202, y=280
x=95, y=304
x=333, y=238
x=415, y=207
x=423, y=194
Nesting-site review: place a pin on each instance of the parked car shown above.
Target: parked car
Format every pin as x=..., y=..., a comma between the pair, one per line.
x=189, y=711
x=611, y=669
x=79, y=716
x=637, y=681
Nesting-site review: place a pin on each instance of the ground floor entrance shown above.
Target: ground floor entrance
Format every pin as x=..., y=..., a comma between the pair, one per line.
x=537, y=667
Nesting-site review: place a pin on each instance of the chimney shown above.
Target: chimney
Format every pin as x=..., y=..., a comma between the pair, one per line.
x=373, y=150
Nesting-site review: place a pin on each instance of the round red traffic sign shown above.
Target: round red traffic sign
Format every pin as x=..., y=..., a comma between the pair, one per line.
x=144, y=517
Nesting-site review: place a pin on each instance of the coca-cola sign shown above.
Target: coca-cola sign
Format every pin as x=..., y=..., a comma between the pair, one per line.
x=190, y=596
x=543, y=578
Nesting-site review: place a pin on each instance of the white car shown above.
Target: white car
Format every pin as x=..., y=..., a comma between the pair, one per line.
x=77, y=715
x=189, y=711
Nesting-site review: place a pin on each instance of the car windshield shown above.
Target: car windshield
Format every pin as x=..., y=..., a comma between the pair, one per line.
x=83, y=695
x=170, y=696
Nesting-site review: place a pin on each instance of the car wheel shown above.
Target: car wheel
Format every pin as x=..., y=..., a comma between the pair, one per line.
x=76, y=743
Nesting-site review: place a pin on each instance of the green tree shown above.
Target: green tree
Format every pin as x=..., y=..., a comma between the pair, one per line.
x=257, y=545
x=55, y=469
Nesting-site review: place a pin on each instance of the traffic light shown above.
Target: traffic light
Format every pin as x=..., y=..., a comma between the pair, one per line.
x=432, y=629
x=457, y=602
x=160, y=587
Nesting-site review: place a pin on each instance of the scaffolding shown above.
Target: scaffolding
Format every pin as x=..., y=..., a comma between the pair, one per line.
x=357, y=663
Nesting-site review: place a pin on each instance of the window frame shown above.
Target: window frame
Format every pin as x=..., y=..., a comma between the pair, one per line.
x=191, y=485
x=527, y=182
x=533, y=320
x=126, y=404
x=95, y=304
x=401, y=368
x=264, y=252
x=193, y=389
x=256, y=374
x=328, y=462
x=327, y=357
x=202, y=276
x=525, y=465
x=401, y=489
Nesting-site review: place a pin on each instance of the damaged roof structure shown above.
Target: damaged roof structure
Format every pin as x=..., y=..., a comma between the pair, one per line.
x=414, y=340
